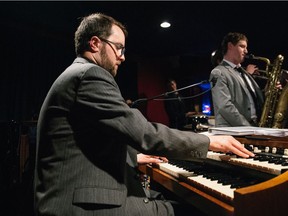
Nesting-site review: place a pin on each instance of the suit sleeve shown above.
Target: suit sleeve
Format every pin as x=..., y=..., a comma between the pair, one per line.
x=101, y=106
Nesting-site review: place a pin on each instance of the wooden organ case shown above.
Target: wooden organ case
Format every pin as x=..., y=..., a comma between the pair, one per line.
x=267, y=197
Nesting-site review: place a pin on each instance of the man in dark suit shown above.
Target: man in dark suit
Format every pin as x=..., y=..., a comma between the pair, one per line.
x=175, y=107
x=85, y=126
x=237, y=98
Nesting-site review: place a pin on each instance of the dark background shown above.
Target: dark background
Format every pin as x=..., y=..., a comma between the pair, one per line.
x=36, y=42
x=36, y=45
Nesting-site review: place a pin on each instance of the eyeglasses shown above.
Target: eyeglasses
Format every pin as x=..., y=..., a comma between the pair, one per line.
x=117, y=45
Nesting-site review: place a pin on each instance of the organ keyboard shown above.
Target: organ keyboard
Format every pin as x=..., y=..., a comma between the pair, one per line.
x=265, y=162
x=226, y=185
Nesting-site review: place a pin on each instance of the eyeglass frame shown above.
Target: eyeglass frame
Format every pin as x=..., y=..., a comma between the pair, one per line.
x=117, y=45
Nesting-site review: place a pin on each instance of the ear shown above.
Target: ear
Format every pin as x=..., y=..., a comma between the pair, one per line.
x=95, y=44
x=230, y=45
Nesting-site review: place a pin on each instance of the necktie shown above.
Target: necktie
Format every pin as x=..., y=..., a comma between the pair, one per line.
x=252, y=93
x=244, y=77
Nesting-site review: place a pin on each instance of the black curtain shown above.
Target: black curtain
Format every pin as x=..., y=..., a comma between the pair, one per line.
x=31, y=59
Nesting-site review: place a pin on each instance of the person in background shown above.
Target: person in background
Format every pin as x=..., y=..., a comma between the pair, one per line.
x=85, y=128
x=237, y=98
x=175, y=107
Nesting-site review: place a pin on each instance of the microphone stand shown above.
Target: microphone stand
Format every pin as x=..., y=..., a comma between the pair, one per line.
x=167, y=93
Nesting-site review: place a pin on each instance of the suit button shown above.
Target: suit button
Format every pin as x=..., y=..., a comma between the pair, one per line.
x=145, y=200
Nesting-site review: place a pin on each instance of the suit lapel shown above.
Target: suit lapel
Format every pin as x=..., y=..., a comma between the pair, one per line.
x=235, y=75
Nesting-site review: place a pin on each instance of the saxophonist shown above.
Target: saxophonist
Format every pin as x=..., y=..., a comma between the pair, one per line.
x=237, y=98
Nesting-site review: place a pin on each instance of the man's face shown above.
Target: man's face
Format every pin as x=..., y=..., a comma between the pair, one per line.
x=173, y=86
x=238, y=51
x=110, y=53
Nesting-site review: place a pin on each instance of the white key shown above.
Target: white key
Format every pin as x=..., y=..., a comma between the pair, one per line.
x=213, y=185
x=214, y=155
x=263, y=166
x=174, y=170
x=259, y=165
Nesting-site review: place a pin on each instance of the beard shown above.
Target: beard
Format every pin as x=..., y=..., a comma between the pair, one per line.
x=107, y=63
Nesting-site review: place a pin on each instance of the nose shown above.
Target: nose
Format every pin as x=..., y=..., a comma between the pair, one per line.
x=122, y=58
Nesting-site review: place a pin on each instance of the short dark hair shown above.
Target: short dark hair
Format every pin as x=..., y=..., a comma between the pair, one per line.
x=234, y=38
x=96, y=24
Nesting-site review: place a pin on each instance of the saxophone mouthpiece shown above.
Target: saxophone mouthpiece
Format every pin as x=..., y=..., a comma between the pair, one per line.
x=249, y=56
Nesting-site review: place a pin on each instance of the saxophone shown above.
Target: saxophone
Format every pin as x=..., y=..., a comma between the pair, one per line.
x=265, y=72
x=272, y=94
x=280, y=118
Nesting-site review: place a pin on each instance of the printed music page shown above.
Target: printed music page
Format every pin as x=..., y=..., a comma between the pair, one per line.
x=248, y=130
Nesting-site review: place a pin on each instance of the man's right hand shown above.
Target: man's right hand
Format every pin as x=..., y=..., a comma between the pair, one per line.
x=228, y=144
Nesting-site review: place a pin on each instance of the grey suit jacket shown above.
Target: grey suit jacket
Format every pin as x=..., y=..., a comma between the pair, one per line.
x=84, y=128
x=230, y=97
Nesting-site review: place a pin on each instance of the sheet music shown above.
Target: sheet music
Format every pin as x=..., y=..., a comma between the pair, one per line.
x=248, y=130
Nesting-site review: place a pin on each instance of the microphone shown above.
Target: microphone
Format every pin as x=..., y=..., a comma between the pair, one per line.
x=249, y=56
x=136, y=102
x=166, y=93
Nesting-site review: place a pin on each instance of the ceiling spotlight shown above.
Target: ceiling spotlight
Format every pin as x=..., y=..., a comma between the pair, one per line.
x=165, y=24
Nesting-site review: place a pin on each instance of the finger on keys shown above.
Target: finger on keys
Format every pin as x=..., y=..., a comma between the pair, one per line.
x=228, y=144
x=239, y=149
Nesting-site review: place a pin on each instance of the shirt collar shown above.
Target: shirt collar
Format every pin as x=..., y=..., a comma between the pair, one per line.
x=231, y=64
